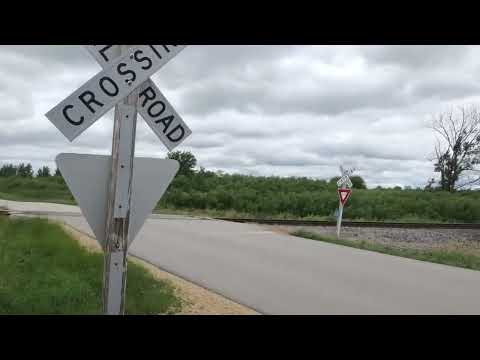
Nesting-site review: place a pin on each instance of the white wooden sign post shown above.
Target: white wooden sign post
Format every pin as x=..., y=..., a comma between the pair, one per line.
x=344, y=191
x=116, y=193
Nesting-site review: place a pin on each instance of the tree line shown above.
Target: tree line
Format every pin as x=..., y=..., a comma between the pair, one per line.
x=26, y=171
x=274, y=197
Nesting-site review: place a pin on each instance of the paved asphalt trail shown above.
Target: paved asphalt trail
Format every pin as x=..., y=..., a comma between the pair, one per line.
x=281, y=274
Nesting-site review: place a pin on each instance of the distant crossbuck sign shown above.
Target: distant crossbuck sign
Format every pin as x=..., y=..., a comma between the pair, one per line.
x=119, y=78
x=344, y=180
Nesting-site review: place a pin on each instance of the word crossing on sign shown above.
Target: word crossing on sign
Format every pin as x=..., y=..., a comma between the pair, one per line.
x=155, y=109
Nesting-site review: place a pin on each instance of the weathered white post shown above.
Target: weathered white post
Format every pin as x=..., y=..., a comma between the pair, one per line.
x=119, y=200
x=339, y=218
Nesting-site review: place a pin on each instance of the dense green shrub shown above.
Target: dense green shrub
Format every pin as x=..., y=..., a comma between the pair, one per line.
x=303, y=197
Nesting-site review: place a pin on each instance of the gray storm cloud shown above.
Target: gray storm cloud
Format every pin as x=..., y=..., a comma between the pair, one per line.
x=263, y=110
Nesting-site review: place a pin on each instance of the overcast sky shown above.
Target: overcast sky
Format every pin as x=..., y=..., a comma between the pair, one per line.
x=260, y=110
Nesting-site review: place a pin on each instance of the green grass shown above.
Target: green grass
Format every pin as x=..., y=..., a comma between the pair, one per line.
x=445, y=257
x=212, y=213
x=51, y=189
x=44, y=271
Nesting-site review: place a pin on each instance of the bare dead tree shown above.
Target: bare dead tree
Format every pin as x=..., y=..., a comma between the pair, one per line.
x=457, y=149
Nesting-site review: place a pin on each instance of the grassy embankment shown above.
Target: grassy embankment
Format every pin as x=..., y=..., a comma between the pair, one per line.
x=44, y=271
x=52, y=189
x=440, y=256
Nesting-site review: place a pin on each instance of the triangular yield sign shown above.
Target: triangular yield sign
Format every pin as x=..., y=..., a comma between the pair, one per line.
x=344, y=194
x=87, y=177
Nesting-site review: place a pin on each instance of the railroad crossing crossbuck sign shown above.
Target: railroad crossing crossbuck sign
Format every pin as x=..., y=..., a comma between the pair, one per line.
x=117, y=193
x=345, y=180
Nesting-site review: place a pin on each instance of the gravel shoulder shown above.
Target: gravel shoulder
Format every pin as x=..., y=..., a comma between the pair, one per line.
x=196, y=300
x=466, y=240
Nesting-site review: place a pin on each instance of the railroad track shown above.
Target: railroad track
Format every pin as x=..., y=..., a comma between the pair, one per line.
x=371, y=224
x=4, y=212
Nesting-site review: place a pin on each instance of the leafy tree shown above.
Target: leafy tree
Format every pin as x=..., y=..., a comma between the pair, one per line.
x=334, y=180
x=57, y=172
x=358, y=182
x=43, y=172
x=187, y=161
x=8, y=170
x=25, y=170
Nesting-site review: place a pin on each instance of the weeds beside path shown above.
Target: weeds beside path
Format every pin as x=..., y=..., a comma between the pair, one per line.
x=439, y=256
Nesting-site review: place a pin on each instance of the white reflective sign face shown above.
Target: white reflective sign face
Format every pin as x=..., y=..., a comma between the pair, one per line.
x=155, y=109
x=92, y=100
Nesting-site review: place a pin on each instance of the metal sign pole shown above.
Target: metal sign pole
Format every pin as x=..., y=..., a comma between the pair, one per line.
x=339, y=219
x=119, y=200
